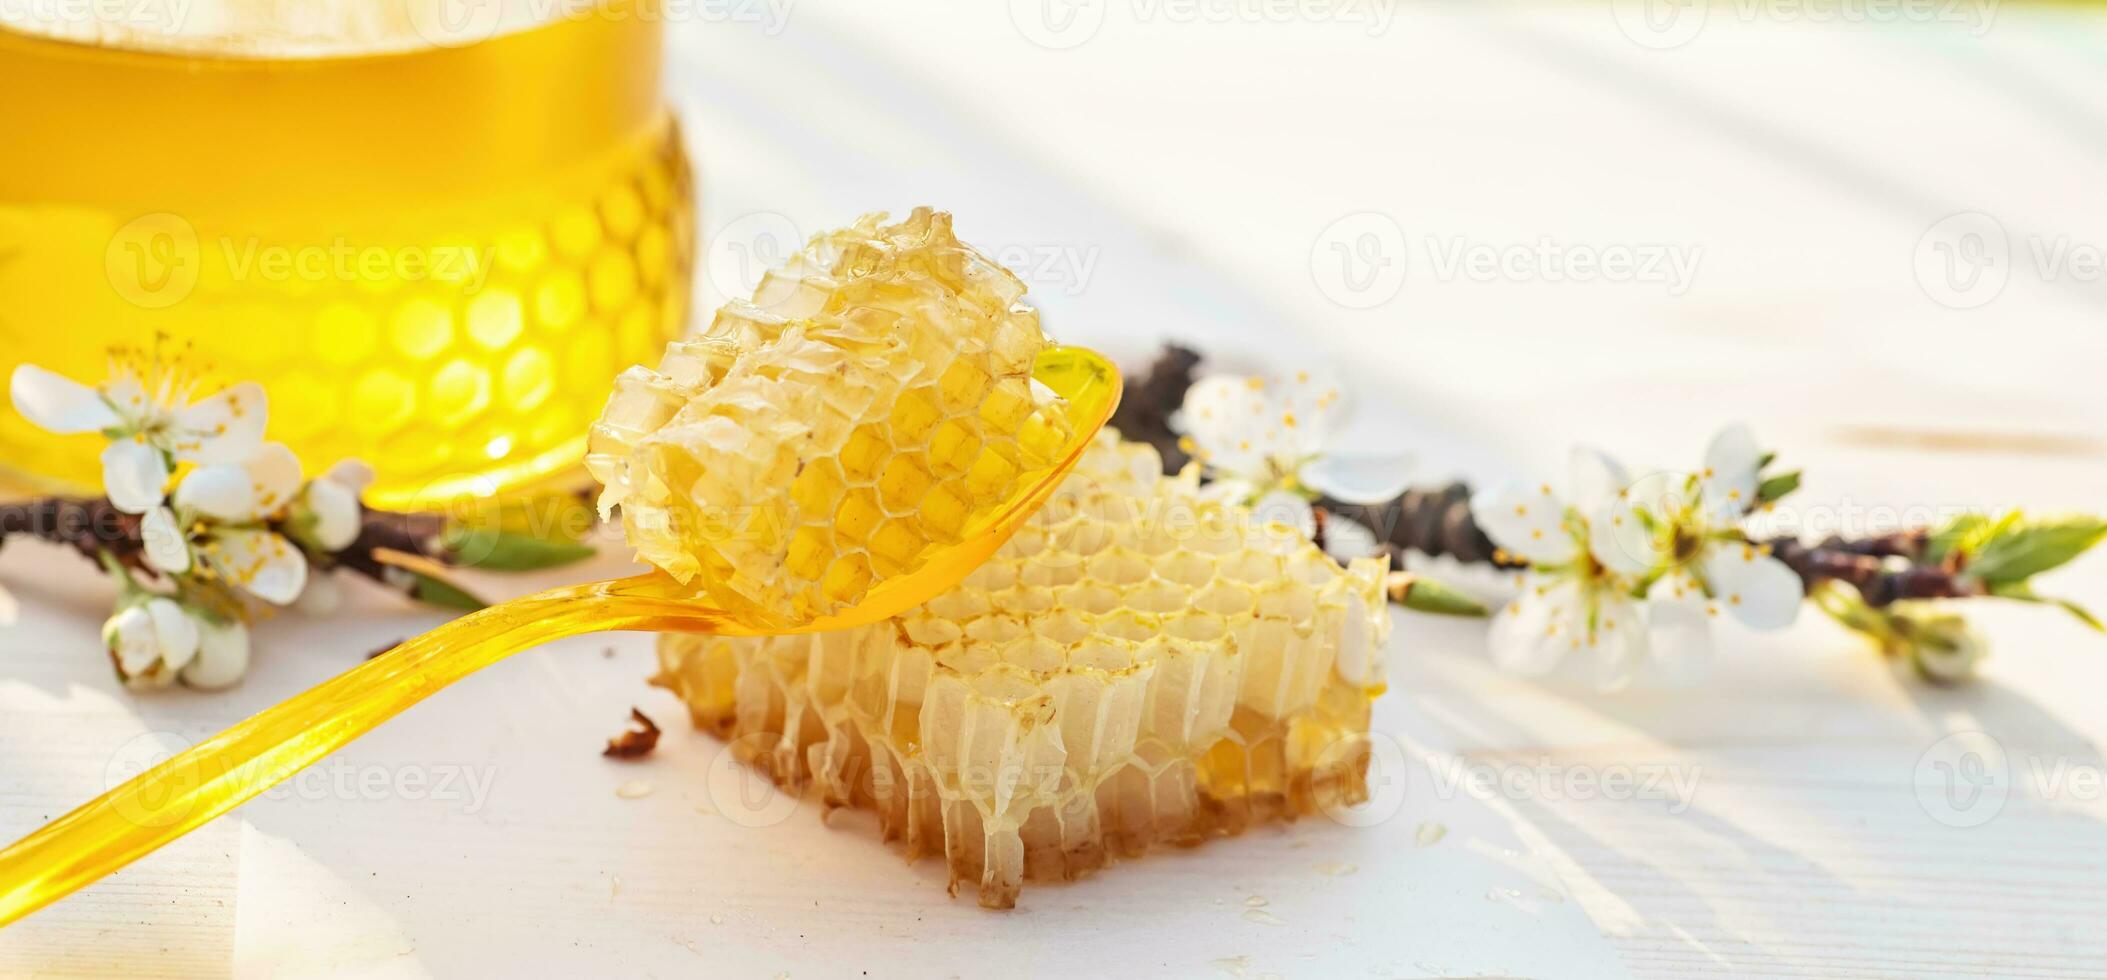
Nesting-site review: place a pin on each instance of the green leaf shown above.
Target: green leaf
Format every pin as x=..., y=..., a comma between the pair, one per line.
x=1429, y=596
x=2023, y=592
x=440, y=592
x=2016, y=550
x=1966, y=536
x=1843, y=604
x=2084, y=615
x=1776, y=487
x=1950, y=538
x=510, y=551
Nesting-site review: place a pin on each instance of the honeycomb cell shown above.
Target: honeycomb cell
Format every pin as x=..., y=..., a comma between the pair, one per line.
x=529, y=376
x=495, y=318
x=611, y=280
x=623, y=212
x=421, y=328
x=857, y=516
x=1059, y=710
x=460, y=390
x=902, y=484
x=575, y=232
x=784, y=410
x=560, y=299
x=651, y=247
x=521, y=251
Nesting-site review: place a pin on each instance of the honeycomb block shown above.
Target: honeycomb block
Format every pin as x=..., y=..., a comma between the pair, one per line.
x=1136, y=666
x=872, y=398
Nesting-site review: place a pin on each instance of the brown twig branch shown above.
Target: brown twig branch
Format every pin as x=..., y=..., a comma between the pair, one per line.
x=91, y=526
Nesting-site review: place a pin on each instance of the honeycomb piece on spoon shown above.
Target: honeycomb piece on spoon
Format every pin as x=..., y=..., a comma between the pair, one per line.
x=1137, y=666
x=869, y=402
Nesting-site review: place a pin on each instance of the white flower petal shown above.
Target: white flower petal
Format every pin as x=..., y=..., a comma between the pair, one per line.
x=336, y=510
x=1228, y=490
x=224, y=428
x=1679, y=629
x=276, y=474
x=222, y=658
x=1531, y=634
x=129, y=635
x=1595, y=478
x=1759, y=590
x=1626, y=544
x=1525, y=521
x=56, y=403
x=1617, y=642
x=175, y=633
x=222, y=490
x=1311, y=403
x=1358, y=479
x=133, y=475
x=166, y=551
x=266, y=565
x=1620, y=540
x=1226, y=417
x=126, y=393
x=1730, y=477
x=9, y=609
x=1282, y=507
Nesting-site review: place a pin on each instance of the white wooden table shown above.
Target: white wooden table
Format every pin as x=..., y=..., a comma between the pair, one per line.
x=1167, y=174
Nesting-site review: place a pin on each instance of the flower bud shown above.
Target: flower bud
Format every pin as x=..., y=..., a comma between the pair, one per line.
x=1942, y=646
x=326, y=517
x=222, y=657
x=149, y=641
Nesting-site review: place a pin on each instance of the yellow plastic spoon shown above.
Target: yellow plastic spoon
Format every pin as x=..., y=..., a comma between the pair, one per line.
x=177, y=796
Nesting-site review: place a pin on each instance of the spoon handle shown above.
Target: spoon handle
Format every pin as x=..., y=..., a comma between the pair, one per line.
x=206, y=780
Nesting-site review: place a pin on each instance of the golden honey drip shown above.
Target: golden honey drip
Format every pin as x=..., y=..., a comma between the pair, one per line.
x=1137, y=666
x=872, y=398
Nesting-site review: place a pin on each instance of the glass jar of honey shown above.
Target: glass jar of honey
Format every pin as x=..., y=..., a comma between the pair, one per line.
x=433, y=232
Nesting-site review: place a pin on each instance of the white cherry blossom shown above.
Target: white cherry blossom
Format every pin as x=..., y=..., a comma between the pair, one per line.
x=1262, y=443
x=1684, y=531
x=1571, y=602
x=218, y=520
x=150, y=641
x=145, y=409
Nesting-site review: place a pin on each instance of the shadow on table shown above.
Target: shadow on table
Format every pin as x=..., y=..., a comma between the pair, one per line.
x=1833, y=818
